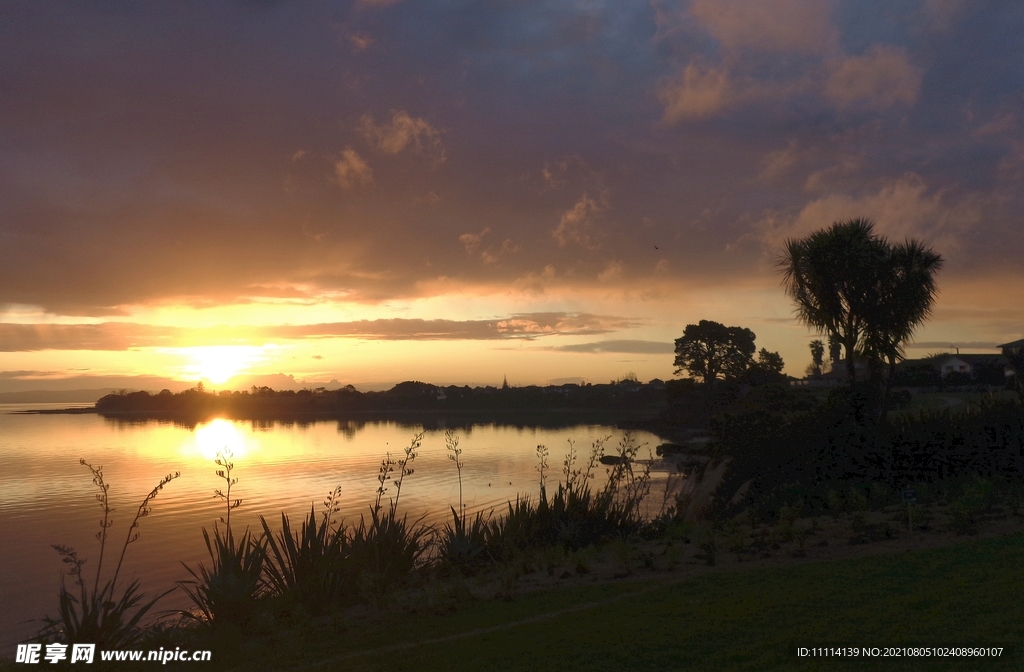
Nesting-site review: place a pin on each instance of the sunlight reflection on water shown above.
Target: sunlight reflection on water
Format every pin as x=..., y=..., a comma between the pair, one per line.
x=47, y=497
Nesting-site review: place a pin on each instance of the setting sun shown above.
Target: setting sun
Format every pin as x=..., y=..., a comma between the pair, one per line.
x=218, y=363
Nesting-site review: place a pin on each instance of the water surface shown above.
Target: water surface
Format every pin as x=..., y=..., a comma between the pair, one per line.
x=47, y=497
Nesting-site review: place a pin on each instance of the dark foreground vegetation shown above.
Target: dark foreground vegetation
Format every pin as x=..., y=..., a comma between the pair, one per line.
x=783, y=445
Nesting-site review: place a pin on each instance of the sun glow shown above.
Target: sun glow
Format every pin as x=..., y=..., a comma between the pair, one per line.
x=218, y=363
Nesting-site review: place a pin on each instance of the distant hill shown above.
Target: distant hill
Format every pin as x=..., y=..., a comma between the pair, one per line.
x=56, y=396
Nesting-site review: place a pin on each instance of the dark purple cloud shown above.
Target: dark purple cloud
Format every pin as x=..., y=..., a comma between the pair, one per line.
x=206, y=151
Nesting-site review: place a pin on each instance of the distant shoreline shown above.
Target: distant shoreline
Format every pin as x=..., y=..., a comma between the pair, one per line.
x=639, y=419
x=70, y=410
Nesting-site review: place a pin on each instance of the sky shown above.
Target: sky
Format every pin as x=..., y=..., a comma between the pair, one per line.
x=456, y=192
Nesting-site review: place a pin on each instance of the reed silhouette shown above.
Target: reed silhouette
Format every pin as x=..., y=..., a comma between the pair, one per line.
x=102, y=614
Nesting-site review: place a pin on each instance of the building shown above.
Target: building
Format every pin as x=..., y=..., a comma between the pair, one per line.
x=956, y=369
x=1013, y=349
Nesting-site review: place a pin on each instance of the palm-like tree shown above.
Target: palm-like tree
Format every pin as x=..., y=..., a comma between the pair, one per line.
x=906, y=292
x=865, y=293
x=817, y=356
x=831, y=275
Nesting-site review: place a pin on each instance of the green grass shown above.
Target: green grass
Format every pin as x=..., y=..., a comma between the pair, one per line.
x=972, y=594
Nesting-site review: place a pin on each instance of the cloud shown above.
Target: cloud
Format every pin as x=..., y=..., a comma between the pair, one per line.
x=509, y=246
x=403, y=132
x=360, y=41
x=556, y=174
x=904, y=207
x=574, y=224
x=825, y=178
x=623, y=346
x=517, y=326
x=698, y=93
x=473, y=241
x=778, y=163
x=103, y=336
x=351, y=171
x=941, y=15
x=1002, y=124
x=126, y=335
x=879, y=79
x=800, y=26
x=612, y=272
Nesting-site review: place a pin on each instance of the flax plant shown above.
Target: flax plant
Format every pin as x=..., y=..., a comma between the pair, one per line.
x=100, y=616
x=574, y=516
x=461, y=544
x=451, y=442
x=311, y=564
x=227, y=591
x=387, y=548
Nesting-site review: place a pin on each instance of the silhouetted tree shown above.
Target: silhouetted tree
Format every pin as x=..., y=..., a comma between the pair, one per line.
x=865, y=293
x=829, y=275
x=817, y=356
x=766, y=369
x=709, y=350
x=835, y=350
x=906, y=291
x=769, y=361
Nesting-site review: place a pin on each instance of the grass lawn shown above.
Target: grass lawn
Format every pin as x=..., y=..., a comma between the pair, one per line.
x=968, y=595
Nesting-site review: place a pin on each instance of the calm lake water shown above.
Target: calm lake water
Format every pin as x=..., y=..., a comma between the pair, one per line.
x=47, y=497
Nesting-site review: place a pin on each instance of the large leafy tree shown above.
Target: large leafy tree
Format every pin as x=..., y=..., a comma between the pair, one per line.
x=710, y=350
x=862, y=291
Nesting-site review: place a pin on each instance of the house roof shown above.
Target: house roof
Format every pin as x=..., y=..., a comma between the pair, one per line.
x=978, y=359
x=1014, y=344
x=973, y=360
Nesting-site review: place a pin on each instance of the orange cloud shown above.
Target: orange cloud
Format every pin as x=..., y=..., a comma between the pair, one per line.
x=573, y=225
